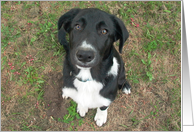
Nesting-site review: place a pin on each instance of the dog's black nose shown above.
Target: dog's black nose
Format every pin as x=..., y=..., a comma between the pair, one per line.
x=85, y=55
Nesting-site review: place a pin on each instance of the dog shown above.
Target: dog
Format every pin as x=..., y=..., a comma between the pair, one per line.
x=93, y=69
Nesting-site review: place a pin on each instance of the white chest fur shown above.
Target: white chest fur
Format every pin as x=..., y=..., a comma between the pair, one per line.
x=87, y=93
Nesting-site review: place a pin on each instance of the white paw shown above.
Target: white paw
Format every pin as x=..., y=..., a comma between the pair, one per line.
x=126, y=90
x=63, y=94
x=82, y=110
x=100, y=117
x=64, y=97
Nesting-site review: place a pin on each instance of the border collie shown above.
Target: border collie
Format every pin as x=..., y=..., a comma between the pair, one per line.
x=93, y=69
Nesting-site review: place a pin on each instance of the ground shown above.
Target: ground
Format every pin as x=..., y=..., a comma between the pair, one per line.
x=32, y=62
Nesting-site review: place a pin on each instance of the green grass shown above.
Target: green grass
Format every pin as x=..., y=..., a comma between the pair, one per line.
x=30, y=49
x=72, y=115
x=148, y=69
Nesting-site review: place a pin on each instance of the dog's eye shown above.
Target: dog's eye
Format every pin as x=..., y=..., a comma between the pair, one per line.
x=104, y=31
x=77, y=27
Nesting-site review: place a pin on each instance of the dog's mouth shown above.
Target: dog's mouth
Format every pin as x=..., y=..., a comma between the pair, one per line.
x=84, y=65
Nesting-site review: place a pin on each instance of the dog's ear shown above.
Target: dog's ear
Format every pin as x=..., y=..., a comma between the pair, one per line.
x=120, y=32
x=64, y=23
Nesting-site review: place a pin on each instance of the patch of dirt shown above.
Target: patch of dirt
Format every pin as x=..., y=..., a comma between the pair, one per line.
x=53, y=96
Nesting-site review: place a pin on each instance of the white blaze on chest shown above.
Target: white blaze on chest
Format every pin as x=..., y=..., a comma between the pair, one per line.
x=84, y=74
x=87, y=93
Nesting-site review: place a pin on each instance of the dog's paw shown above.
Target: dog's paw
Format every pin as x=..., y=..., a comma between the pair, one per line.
x=65, y=97
x=100, y=117
x=126, y=88
x=126, y=91
x=82, y=110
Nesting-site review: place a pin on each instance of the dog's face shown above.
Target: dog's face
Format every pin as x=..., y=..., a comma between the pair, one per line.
x=91, y=35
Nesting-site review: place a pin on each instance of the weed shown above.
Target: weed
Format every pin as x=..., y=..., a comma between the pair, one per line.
x=151, y=46
x=40, y=93
x=133, y=76
x=135, y=120
x=3, y=62
x=72, y=114
x=31, y=75
x=9, y=35
x=154, y=113
x=148, y=68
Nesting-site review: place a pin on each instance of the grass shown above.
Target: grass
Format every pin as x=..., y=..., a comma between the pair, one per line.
x=152, y=56
x=71, y=116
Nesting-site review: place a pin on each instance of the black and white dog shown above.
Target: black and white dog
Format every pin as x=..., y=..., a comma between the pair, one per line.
x=93, y=69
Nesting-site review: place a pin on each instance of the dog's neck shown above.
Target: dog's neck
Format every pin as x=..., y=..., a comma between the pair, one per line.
x=84, y=74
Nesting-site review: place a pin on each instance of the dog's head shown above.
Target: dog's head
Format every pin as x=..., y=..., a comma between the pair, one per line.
x=92, y=33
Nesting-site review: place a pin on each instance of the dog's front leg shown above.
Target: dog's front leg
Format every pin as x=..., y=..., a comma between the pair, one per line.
x=82, y=110
x=122, y=82
x=101, y=116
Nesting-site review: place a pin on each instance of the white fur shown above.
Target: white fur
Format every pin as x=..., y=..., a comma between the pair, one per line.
x=85, y=45
x=100, y=117
x=87, y=93
x=82, y=110
x=126, y=91
x=84, y=73
x=114, y=68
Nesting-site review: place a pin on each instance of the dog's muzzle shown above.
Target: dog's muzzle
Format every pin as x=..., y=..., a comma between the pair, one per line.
x=85, y=57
